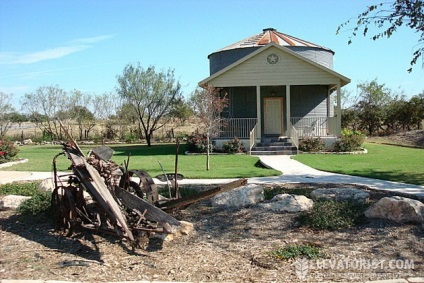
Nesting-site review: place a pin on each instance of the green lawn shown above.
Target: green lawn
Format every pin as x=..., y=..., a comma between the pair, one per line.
x=394, y=163
x=145, y=158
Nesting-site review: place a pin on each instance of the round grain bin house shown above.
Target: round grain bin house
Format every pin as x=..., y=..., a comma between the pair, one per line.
x=279, y=88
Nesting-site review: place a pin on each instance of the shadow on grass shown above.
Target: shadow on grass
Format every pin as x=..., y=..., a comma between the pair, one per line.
x=144, y=150
x=395, y=176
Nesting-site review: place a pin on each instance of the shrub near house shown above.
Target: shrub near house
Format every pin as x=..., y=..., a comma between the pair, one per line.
x=349, y=141
x=7, y=151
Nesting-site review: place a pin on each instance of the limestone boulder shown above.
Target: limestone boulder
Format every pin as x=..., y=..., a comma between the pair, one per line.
x=288, y=203
x=398, y=209
x=240, y=197
x=12, y=201
x=46, y=185
x=341, y=195
x=185, y=229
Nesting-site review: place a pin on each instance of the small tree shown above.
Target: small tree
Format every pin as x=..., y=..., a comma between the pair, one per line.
x=5, y=110
x=105, y=106
x=151, y=94
x=208, y=104
x=48, y=102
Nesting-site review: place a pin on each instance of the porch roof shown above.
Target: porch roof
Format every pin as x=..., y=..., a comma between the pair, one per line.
x=343, y=80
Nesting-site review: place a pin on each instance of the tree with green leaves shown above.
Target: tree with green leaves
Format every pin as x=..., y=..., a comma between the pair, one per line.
x=151, y=94
x=388, y=17
x=371, y=106
x=416, y=109
x=18, y=118
x=181, y=110
x=398, y=117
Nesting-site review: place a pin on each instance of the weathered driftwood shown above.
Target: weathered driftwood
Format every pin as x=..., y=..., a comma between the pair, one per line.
x=151, y=213
x=202, y=195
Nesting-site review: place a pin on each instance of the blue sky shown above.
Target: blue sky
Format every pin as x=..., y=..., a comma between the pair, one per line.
x=84, y=45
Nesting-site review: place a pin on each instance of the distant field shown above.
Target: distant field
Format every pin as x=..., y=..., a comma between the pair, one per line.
x=29, y=130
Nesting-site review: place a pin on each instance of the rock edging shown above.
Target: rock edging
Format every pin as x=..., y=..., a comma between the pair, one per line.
x=8, y=164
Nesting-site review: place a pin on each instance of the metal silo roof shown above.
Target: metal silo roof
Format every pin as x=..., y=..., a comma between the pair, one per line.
x=269, y=35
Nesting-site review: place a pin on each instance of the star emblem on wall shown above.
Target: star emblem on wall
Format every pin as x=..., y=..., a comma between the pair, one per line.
x=272, y=58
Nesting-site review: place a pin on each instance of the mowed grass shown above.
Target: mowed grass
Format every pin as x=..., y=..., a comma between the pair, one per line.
x=386, y=162
x=148, y=158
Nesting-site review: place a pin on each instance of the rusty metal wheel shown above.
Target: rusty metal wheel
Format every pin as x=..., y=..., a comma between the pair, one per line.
x=63, y=210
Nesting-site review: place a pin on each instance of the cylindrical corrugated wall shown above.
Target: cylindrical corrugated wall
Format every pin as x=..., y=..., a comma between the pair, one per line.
x=232, y=53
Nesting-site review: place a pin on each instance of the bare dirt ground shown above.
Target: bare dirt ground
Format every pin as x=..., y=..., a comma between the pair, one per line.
x=228, y=246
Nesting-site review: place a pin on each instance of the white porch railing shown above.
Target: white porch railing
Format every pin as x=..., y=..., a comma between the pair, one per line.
x=294, y=135
x=314, y=126
x=305, y=127
x=252, y=137
x=237, y=127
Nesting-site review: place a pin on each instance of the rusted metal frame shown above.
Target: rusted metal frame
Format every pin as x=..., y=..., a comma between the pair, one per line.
x=175, y=190
x=55, y=168
x=148, y=184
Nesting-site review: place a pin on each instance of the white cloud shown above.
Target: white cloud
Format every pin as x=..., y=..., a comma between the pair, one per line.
x=77, y=45
x=15, y=89
x=34, y=57
x=91, y=40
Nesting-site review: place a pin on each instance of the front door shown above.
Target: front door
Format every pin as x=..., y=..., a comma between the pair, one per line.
x=273, y=115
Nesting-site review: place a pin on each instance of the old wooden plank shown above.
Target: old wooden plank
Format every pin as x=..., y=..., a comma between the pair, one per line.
x=107, y=198
x=203, y=195
x=152, y=212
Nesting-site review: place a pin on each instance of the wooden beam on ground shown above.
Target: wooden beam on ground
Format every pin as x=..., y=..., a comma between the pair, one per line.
x=203, y=195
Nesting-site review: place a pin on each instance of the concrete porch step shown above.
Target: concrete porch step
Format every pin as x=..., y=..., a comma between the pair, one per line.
x=273, y=152
x=274, y=147
x=275, y=144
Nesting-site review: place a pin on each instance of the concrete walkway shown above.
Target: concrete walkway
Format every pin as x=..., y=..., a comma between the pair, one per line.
x=296, y=172
x=293, y=172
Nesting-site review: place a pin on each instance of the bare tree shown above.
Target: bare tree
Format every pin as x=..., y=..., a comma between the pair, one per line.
x=49, y=102
x=151, y=94
x=79, y=112
x=5, y=110
x=208, y=104
x=105, y=107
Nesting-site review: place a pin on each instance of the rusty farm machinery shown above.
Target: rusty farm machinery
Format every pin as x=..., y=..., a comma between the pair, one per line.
x=101, y=195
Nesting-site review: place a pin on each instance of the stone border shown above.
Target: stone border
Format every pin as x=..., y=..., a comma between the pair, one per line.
x=8, y=164
x=214, y=153
x=362, y=151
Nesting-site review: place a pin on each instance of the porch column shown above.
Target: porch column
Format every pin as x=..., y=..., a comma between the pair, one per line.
x=258, y=111
x=328, y=109
x=288, y=115
x=339, y=111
